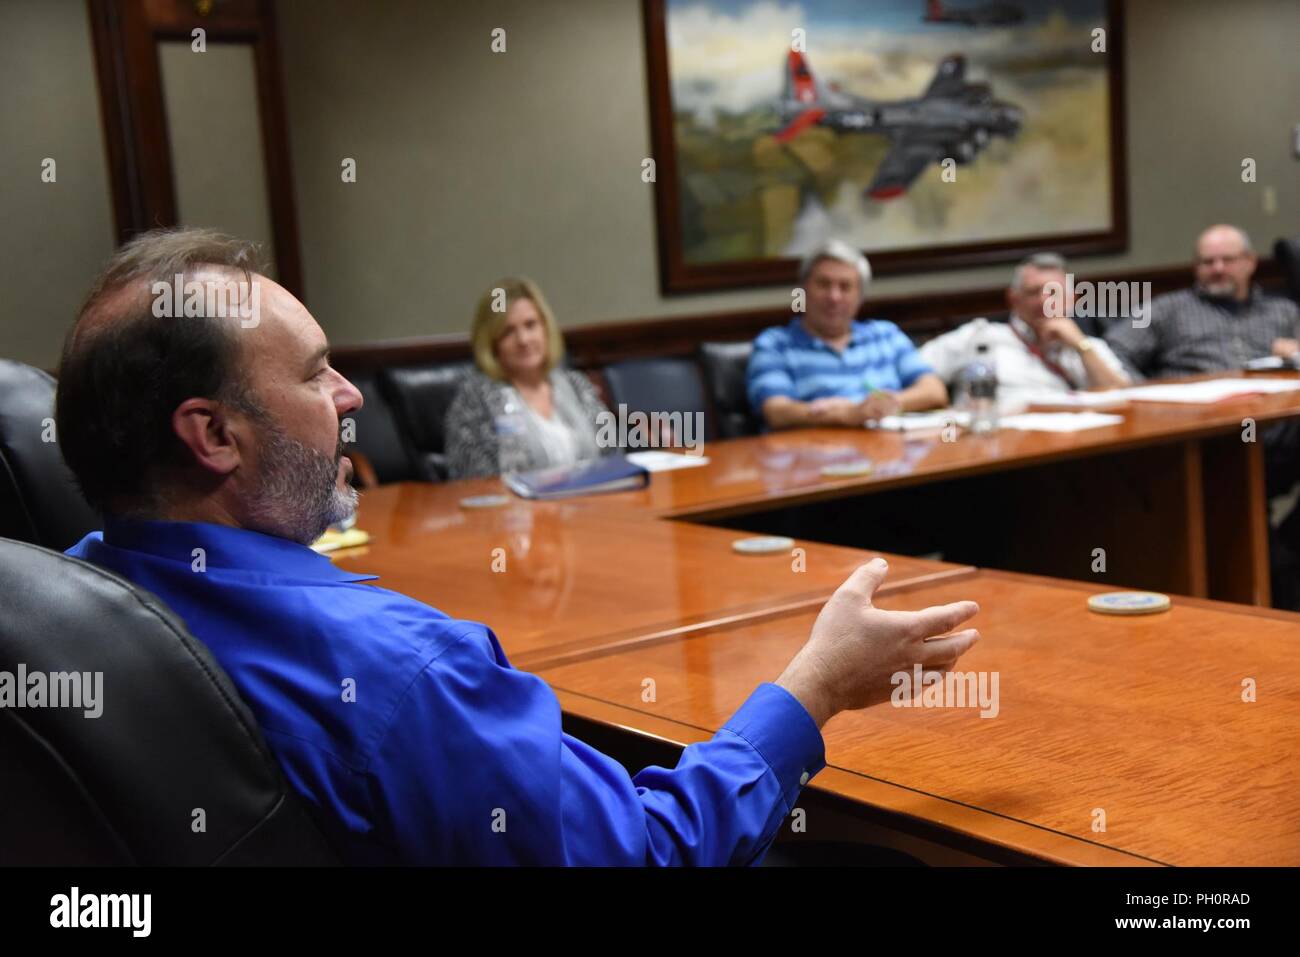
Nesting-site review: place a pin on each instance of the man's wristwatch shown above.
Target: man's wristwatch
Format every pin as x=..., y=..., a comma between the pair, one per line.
x=1085, y=345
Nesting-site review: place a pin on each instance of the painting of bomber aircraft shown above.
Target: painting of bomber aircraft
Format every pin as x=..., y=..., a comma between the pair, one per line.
x=951, y=119
x=928, y=133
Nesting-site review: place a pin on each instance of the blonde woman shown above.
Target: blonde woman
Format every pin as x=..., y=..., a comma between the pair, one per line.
x=521, y=410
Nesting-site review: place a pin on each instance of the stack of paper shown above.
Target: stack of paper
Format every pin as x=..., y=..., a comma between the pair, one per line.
x=656, y=461
x=1059, y=421
x=1209, y=390
x=918, y=421
x=1077, y=400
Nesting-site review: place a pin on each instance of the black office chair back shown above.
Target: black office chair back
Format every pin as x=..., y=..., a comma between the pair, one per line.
x=420, y=397
x=376, y=434
x=662, y=385
x=725, y=365
x=171, y=771
x=1287, y=254
x=39, y=498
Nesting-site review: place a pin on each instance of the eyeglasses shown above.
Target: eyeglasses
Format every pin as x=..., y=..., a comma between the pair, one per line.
x=1226, y=260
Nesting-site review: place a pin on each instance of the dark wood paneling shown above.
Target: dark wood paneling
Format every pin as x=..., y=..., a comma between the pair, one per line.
x=1236, y=518
x=125, y=35
x=134, y=117
x=275, y=153
x=227, y=17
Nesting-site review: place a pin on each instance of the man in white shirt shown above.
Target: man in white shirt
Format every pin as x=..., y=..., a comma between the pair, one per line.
x=1040, y=349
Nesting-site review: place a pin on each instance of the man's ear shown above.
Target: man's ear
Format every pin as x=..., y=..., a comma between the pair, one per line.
x=1011, y=299
x=206, y=428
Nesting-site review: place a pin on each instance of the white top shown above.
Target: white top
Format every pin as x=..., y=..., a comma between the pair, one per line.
x=557, y=438
x=1020, y=372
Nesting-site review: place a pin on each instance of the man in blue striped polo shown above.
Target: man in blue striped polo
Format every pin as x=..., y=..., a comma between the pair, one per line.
x=824, y=368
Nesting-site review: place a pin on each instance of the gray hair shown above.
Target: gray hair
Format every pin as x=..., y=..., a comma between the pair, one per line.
x=1053, y=261
x=841, y=252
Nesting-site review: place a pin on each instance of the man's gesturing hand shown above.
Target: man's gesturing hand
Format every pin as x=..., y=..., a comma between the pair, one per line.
x=856, y=648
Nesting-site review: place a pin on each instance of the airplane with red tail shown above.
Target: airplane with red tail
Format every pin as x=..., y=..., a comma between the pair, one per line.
x=952, y=118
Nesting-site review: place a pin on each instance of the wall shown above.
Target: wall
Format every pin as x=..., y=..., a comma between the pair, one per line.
x=53, y=236
x=473, y=164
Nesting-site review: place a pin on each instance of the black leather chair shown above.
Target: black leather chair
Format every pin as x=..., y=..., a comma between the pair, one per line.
x=724, y=365
x=420, y=397
x=39, y=498
x=377, y=435
x=172, y=738
x=660, y=385
x=1287, y=254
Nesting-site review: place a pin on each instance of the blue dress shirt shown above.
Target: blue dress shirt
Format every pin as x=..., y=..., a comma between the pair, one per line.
x=412, y=738
x=789, y=361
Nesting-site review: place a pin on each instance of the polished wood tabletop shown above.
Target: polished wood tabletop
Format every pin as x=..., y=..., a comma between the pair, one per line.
x=1139, y=720
x=554, y=577
x=1139, y=725
x=749, y=474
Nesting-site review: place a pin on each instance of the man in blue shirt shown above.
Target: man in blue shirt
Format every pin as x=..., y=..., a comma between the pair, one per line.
x=212, y=445
x=824, y=367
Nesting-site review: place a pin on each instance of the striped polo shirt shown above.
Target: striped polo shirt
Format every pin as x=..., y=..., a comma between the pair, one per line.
x=789, y=361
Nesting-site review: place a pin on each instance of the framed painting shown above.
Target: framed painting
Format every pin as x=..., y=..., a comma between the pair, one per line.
x=931, y=134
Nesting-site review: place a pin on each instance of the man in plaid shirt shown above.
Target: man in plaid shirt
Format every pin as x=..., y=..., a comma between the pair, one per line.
x=1223, y=321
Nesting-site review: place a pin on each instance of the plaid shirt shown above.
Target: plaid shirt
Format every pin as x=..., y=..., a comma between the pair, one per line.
x=1193, y=332
x=789, y=361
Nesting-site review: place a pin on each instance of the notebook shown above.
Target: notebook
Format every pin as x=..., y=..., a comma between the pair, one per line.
x=612, y=473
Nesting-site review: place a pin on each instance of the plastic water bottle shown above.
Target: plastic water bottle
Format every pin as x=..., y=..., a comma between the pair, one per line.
x=982, y=390
x=508, y=419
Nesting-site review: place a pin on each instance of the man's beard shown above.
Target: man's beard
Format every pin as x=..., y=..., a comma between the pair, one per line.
x=297, y=494
x=1223, y=289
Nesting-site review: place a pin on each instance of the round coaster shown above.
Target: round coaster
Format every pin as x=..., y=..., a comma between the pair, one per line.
x=762, y=545
x=1129, y=603
x=484, y=501
x=848, y=469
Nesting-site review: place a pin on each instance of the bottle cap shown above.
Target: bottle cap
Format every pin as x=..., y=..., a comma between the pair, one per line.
x=1129, y=603
x=763, y=545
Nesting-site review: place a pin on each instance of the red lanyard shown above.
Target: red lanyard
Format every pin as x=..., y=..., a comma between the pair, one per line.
x=1052, y=366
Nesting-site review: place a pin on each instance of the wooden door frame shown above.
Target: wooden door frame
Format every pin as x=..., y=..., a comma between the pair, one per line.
x=125, y=35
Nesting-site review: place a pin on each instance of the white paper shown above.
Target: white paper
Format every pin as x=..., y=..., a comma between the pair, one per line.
x=655, y=461
x=1077, y=400
x=917, y=421
x=1059, y=421
x=1209, y=390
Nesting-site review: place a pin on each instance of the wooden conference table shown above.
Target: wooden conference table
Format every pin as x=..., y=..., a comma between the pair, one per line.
x=1117, y=740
